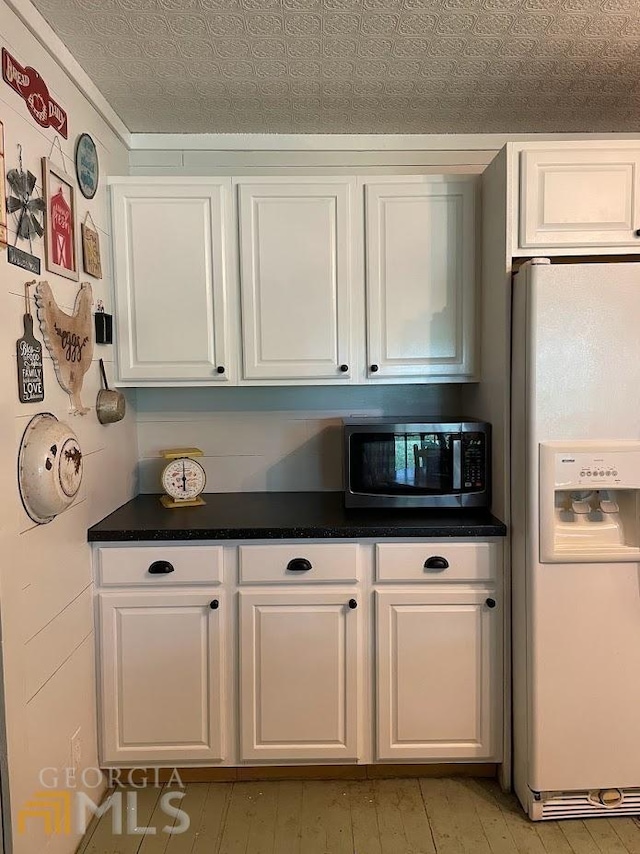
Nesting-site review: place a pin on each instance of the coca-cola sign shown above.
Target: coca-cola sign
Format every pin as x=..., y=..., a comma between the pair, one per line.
x=32, y=88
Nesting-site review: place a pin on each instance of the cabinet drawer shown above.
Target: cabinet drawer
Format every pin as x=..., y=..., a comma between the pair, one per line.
x=437, y=561
x=295, y=564
x=155, y=566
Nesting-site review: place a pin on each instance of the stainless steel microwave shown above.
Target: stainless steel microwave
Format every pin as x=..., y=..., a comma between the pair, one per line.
x=392, y=462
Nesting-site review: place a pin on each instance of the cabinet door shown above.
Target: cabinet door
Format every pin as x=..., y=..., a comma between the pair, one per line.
x=420, y=279
x=295, y=274
x=579, y=197
x=172, y=266
x=298, y=676
x=161, y=676
x=438, y=675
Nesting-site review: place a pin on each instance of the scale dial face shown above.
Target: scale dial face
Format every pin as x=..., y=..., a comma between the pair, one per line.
x=183, y=479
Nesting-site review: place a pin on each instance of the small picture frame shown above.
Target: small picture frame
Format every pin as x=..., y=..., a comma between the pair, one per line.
x=61, y=256
x=90, y=249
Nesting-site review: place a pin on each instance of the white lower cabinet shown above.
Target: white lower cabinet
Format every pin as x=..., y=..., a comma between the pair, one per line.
x=437, y=668
x=299, y=675
x=305, y=652
x=161, y=687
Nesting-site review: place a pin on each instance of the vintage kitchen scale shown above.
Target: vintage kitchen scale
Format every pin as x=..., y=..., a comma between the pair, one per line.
x=183, y=479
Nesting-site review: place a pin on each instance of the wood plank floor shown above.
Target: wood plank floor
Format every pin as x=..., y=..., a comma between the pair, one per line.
x=399, y=816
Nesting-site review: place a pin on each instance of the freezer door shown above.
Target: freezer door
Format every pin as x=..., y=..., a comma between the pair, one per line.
x=583, y=342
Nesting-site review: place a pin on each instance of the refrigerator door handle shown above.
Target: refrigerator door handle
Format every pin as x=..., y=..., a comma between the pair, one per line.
x=457, y=464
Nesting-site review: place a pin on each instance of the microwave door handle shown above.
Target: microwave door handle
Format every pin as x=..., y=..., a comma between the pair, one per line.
x=457, y=464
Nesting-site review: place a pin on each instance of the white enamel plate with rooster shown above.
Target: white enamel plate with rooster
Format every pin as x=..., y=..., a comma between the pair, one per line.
x=49, y=467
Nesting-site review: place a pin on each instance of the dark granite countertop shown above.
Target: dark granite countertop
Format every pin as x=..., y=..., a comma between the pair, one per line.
x=283, y=515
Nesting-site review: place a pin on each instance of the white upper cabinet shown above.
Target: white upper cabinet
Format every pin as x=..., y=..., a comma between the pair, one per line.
x=296, y=246
x=279, y=280
x=172, y=247
x=582, y=196
x=420, y=277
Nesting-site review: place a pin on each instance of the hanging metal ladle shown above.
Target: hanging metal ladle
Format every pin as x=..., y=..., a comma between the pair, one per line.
x=110, y=404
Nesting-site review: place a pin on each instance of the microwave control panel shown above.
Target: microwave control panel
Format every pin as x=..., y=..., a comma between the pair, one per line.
x=474, y=461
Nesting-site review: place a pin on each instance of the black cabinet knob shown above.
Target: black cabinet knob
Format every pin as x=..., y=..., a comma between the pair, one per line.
x=344, y=368
x=160, y=567
x=353, y=604
x=374, y=369
x=299, y=564
x=220, y=369
x=490, y=603
x=436, y=563
x=637, y=232
x=214, y=604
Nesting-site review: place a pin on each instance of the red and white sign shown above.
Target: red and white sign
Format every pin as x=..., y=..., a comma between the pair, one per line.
x=61, y=231
x=32, y=88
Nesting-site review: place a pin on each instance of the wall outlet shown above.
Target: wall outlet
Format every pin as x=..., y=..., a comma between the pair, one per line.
x=76, y=750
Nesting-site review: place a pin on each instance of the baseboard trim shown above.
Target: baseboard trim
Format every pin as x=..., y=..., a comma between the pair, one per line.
x=316, y=772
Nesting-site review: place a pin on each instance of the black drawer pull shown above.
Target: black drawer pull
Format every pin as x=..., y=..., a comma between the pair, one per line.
x=436, y=563
x=353, y=604
x=490, y=603
x=160, y=567
x=344, y=368
x=374, y=369
x=220, y=369
x=299, y=564
x=214, y=604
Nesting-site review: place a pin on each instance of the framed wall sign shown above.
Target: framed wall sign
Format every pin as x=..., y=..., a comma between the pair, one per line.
x=3, y=199
x=60, y=218
x=91, y=248
x=91, y=252
x=87, y=168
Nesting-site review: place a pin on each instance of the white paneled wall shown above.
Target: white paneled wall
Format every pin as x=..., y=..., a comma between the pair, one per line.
x=270, y=439
x=45, y=571
x=324, y=154
x=158, y=161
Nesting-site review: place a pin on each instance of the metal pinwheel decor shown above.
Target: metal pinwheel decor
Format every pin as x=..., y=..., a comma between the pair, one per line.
x=28, y=210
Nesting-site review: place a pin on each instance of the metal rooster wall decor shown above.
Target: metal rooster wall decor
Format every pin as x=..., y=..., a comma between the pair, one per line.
x=68, y=338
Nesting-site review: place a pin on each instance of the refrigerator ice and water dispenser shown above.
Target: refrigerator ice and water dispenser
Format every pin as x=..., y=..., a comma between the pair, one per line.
x=589, y=502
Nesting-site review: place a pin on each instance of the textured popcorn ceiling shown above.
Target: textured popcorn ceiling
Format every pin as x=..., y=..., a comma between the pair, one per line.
x=360, y=66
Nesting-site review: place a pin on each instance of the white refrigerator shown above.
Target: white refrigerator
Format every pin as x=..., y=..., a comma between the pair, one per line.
x=576, y=615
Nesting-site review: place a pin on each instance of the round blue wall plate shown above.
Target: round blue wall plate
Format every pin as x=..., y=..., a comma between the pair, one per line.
x=87, y=168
